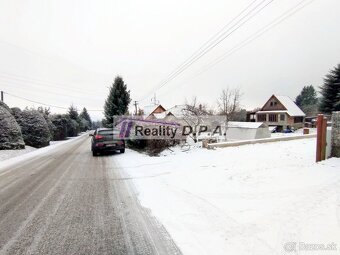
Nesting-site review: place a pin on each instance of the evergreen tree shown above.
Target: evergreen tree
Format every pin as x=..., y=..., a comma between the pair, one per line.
x=85, y=115
x=84, y=125
x=72, y=127
x=10, y=132
x=117, y=102
x=97, y=124
x=34, y=128
x=60, y=123
x=46, y=113
x=73, y=113
x=307, y=100
x=85, y=121
x=330, y=91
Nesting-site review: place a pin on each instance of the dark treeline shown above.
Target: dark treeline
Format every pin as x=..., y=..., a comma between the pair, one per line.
x=37, y=127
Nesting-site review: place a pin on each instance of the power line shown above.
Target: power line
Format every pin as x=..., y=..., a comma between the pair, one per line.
x=255, y=35
x=36, y=102
x=46, y=90
x=212, y=38
x=217, y=41
x=193, y=57
x=49, y=105
x=260, y=32
x=37, y=82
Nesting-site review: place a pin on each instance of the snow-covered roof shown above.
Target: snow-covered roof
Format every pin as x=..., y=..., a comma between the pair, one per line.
x=177, y=110
x=236, y=124
x=150, y=108
x=292, y=108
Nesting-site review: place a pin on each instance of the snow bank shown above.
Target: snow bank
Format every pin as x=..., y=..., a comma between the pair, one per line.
x=7, y=154
x=12, y=157
x=250, y=199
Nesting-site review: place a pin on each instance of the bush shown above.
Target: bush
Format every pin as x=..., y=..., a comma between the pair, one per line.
x=16, y=112
x=46, y=114
x=152, y=147
x=72, y=127
x=60, y=123
x=136, y=144
x=34, y=128
x=64, y=127
x=10, y=132
x=50, y=126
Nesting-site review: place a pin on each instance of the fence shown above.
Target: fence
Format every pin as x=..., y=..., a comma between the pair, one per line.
x=336, y=134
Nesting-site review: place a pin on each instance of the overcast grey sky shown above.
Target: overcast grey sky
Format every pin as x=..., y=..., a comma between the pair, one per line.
x=61, y=52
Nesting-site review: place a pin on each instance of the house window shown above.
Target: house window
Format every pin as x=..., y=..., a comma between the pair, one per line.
x=272, y=117
x=261, y=117
x=282, y=117
x=298, y=119
x=273, y=103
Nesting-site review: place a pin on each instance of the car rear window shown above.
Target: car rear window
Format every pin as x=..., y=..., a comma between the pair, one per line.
x=108, y=132
x=105, y=132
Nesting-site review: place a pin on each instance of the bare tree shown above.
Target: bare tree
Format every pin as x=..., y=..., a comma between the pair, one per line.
x=140, y=112
x=228, y=104
x=192, y=115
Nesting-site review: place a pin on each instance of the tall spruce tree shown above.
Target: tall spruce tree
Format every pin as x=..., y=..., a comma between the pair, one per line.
x=117, y=102
x=73, y=121
x=307, y=100
x=330, y=91
x=85, y=121
x=73, y=112
x=85, y=115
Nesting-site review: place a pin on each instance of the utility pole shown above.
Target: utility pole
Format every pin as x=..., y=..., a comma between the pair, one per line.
x=135, y=104
x=154, y=100
x=2, y=96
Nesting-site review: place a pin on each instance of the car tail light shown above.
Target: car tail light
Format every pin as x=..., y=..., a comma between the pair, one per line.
x=97, y=137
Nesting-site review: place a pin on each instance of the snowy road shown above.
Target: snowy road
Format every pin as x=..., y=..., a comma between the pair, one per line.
x=64, y=201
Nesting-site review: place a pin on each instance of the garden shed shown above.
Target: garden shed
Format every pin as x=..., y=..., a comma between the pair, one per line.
x=247, y=131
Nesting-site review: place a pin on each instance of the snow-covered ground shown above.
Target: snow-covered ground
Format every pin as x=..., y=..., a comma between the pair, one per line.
x=251, y=199
x=10, y=157
x=8, y=154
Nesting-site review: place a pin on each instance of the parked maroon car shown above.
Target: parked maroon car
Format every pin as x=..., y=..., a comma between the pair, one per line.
x=106, y=140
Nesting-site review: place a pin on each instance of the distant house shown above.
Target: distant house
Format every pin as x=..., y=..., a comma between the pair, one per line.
x=154, y=111
x=282, y=112
x=160, y=113
x=236, y=131
x=177, y=111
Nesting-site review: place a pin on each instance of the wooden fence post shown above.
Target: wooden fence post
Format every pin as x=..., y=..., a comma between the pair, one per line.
x=321, y=138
